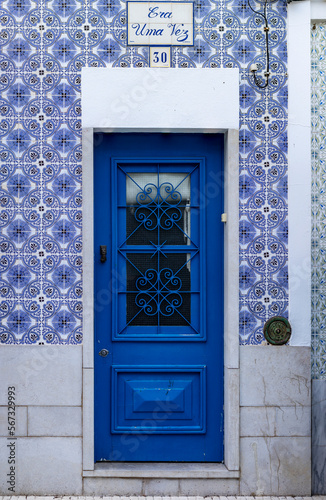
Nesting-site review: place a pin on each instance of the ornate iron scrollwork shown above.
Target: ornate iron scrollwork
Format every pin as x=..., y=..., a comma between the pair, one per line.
x=158, y=292
x=158, y=206
x=158, y=278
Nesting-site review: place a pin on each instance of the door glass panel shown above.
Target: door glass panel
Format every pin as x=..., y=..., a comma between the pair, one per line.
x=158, y=289
x=158, y=249
x=158, y=208
x=158, y=215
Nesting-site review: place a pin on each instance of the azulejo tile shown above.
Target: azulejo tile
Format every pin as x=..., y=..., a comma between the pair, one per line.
x=319, y=356
x=108, y=50
x=44, y=47
x=318, y=110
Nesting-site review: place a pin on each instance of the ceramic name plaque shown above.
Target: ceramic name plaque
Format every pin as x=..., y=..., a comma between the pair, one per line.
x=160, y=23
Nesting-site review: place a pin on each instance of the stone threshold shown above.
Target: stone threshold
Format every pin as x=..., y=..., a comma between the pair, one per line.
x=161, y=470
x=117, y=497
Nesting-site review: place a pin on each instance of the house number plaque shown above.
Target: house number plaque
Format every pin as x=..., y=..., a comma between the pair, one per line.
x=160, y=23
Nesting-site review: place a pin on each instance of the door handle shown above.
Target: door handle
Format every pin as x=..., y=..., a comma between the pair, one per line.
x=103, y=252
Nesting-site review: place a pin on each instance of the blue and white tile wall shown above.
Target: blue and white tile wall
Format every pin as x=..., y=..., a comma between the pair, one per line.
x=44, y=45
x=318, y=113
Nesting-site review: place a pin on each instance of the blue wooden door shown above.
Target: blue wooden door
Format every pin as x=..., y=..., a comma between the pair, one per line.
x=159, y=297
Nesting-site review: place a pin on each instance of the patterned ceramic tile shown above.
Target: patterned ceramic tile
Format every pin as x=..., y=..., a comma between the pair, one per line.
x=44, y=45
x=319, y=356
x=318, y=202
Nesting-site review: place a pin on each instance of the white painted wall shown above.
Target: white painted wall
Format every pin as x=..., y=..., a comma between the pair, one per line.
x=318, y=10
x=299, y=172
x=160, y=99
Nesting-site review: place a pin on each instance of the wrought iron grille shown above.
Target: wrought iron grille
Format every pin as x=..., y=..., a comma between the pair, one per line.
x=157, y=248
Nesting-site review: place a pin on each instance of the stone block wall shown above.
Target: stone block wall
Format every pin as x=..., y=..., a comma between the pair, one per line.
x=318, y=444
x=275, y=444
x=275, y=420
x=45, y=448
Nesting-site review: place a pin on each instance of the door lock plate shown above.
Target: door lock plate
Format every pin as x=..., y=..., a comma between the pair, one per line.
x=103, y=353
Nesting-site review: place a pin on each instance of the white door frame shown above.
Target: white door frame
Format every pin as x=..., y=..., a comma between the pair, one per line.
x=165, y=100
